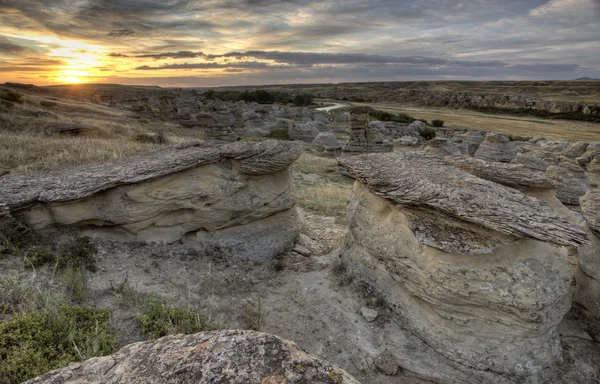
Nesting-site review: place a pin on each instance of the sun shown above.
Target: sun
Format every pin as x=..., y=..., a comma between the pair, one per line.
x=70, y=80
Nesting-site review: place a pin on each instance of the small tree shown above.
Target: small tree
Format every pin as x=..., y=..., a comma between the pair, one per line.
x=437, y=123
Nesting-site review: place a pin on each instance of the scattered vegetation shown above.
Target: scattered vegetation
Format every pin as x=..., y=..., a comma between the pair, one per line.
x=260, y=96
x=518, y=138
x=303, y=99
x=279, y=134
x=150, y=138
x=437, y=123
x=252, y=318
x=428, y=133
x=44, y=331
x=160, y=319
x=544, y=114
x=325, y=199
x=11, y=96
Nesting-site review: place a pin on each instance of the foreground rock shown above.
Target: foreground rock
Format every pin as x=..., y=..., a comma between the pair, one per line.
x=496, y=147
x=475, y=269
x=237, y=199
x=224, y=357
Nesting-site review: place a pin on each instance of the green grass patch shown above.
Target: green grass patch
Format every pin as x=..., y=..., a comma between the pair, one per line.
x=160, y=319
x=279, y=134
x=34, y=343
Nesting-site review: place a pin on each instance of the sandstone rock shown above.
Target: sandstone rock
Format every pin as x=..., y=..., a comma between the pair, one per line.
x=590, y=207
x=342, y=118
x=369, y=314
x=327, y=139
x=220, y=357
x=554, y=146
x=386, y=363
x=475, y=269
x=363, y=137
x=530, y=161
x=496, y=147
x=235, y=199
x=310, y=244
x=592, y=152
x=571, y=181
x=512, y=175
x=442, y=147
x=409, y=141
x=470, y=140
x=306, y=132
x=322, y=118
x=575, y=150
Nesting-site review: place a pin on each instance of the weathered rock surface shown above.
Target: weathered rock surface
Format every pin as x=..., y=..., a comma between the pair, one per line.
x=220, y=357
x=496, y=147
x=512, y=175
x=235, y=199
x=571, y=180
x=363, y=136
x=308, y=131
x=475, y=269
x=442, y=147
x=409, y=141
x=468, y=142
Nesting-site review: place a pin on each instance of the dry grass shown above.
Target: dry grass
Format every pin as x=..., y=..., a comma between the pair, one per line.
x=25, y=146
x=319, y=186
x=525, y=126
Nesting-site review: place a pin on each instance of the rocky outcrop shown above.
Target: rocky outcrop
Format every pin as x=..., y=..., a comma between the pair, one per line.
x=468, y=143
x=516, y=176
x=363, y=136
x=496, y=147
x=571, y=180
x=235, y=199
x=220, y=357
x=475, y=269
x=307, y=131
x=329, y=142
x=442, y=147
x=588, y=273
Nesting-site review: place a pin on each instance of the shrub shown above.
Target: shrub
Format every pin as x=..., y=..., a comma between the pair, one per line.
x=518, y=138
x=279, y=134
x=303, y=99
x=11, y=96
x=428, y=133
x=77, y=253
x=437, y=123
x=34, y=343
x=161, y=319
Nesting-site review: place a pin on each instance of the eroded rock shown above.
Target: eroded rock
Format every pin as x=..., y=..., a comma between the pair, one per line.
x=475, y=269
x=235, y=199
x=221, y=357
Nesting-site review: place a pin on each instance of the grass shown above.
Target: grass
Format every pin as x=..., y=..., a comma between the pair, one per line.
x=252, y=318
x=45, y=331
x=279, y=134
x=325, y=167
x=25, y=146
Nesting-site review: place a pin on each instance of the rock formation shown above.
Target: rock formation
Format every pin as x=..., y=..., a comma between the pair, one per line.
x=475, y=269
x=571, y=180
x=469, y=142
x=235, y=199
x=442, y=147
x=588, y=274
x=496, y=147
x=364, y=137
x=330, y=143
x=220, y=357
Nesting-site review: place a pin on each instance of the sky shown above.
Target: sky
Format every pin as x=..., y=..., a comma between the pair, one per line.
x=205, y=43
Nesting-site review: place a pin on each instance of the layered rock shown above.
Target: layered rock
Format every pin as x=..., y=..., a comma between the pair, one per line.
x=442, y=147
x=496, y=147
x=475, y=269
x=363, y=136
x=221, y=357
x=571, y=180
x=235, y=199
x=588, y=276
x=216, y=125
x=468, y=143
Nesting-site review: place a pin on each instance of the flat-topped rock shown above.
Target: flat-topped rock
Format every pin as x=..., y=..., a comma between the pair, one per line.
x=475, y=269
x=516, y=176
x=220, y=357
x=237, y=199
x=427, y=182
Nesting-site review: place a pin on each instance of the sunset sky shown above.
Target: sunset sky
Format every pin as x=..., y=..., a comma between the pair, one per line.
x=198, y=43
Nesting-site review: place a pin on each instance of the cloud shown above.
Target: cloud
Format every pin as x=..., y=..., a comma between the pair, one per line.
x=172, y=55
x=121, y=32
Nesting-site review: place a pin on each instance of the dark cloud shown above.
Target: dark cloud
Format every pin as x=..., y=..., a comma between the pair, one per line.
x=11, y=49
x=210, y=65
x=113, y=54
x=121, y=32
x=172, y=55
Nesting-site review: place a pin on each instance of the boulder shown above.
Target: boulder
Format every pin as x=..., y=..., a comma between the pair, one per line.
x=496, y=147
x=531, y=161
x=442, y=147
x=575, y=150
x=592, y=153
x=363, y=136
x=306, y=132
x=342, y=118
x=409, y=141
x=554, y=146
x=327, y=139
x=571, y=181
x=470, y=141
x=234, y=199
x=219, y=357
x=322, y=118
x=475, y=269
x=517, y=176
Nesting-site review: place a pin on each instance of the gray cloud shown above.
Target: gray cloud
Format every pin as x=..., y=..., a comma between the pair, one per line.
x=121, y=32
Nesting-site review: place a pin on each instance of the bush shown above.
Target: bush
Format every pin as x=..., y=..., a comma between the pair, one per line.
x=437, y=123
x=161, y=319
x=76, y=254
x=34, y=343
x=303, y=100
x=279, y=134
x=518, y=138
x=428, y=133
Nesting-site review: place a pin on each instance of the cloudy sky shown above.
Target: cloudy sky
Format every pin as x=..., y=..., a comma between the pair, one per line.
x=236, y=42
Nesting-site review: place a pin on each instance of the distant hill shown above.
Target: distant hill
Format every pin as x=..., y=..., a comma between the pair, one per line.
x=587, y=78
